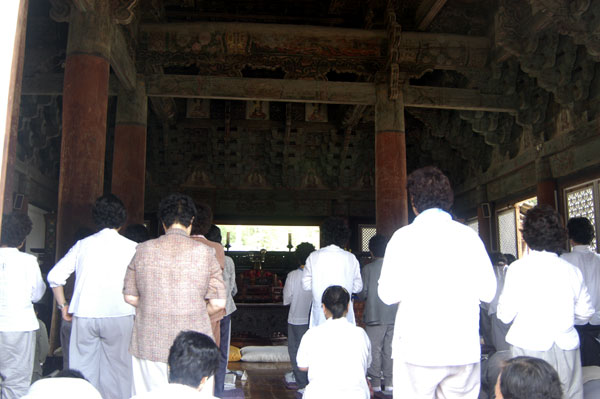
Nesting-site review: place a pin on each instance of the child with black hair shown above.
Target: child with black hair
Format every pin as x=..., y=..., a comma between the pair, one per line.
x=335, y=354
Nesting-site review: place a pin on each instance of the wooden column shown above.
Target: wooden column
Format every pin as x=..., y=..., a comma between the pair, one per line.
x=9, y=156
x=390, y=163
x=546, y=184
x=85, y=102
x=484, y=217
x=129, y=157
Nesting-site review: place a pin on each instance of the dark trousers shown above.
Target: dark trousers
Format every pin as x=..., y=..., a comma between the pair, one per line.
x=224, y=349
x=295, y=333
x=590, y=347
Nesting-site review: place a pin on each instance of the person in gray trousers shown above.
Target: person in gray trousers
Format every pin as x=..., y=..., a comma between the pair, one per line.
x=379, y=319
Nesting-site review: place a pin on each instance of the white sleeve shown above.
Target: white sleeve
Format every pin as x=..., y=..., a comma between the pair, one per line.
x=357, y=283
x=64, y=268
x=287, y=289
x=488, y=284
x=38, y=287
x=303, y=355
x=307, y=275
x=388, y=285
x=583, y=303
x=508, y=301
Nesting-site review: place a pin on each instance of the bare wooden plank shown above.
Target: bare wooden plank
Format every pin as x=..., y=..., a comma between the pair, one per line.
x=458, y=99
x=260, y=89
x=427, y=11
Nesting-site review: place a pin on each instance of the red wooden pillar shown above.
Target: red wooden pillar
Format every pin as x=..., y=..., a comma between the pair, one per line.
x=546, y=184
x=129, y=157
x=391, y=200
x=85, y=103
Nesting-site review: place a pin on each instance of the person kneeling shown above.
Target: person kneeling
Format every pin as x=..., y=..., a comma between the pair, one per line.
x=336, y=354
x=525, y=377
x=193, y=359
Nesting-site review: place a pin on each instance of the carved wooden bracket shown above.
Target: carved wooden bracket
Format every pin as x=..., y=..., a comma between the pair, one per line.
x=123, y=11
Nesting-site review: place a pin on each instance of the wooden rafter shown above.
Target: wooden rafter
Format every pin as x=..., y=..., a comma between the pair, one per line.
x=427, y=11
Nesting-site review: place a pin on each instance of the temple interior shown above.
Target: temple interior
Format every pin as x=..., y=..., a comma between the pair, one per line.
x=284, y=113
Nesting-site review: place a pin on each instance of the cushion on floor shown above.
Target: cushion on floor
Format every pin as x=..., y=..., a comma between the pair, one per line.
x=265, y=354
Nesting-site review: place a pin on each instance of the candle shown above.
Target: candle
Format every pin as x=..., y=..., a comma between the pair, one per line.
x=289, y=238
x=227, y=238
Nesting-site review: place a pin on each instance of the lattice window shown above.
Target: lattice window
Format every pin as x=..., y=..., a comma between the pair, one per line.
x=507, y=231
x=581, y=203
x=474, y=224
x=366, y=233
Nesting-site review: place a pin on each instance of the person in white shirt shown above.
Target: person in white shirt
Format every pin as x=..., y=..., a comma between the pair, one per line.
x=336, y=354
x=498, y=329
x=331, y=265
x=299, y=301
x=581, y=234
x=20, y=284
x=193, y=359
x=437, y=271
x=67, y=384
x=102, y=320
x=543, y=296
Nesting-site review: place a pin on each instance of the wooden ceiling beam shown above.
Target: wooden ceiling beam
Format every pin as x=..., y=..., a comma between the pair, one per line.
x=287, y=90
x=427, y=11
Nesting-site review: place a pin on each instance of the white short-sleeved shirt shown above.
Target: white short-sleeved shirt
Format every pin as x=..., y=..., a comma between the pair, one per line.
x=298, y=298
x=21, y=284
x=100, y=262
x=62, y=387
x=326, y=267
x=588, y=263
x=337, y=354
x=174, y=391
x=438, y=271
x=543, y=296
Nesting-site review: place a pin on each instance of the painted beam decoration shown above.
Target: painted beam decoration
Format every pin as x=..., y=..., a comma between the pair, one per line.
x=225, y=49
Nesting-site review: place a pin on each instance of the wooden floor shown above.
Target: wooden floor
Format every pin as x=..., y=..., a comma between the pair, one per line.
x=265, y=380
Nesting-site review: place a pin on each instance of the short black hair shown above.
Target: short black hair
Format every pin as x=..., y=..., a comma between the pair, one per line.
x=525, y=377
x=334, y=230
x=378, y=244
x=336, y=299
x=15, y=227
x=214, y=234
x=192, y=357
x=203, y=219
x=176, y=208
x=70, y=373
x=429, y=188
x=581, y=230
x=303, y=250
x=109, y=212
x=543, y=229
x=137, y=232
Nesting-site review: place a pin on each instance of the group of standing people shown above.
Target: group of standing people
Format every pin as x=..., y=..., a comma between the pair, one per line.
x=424, y=297
x=129, y=302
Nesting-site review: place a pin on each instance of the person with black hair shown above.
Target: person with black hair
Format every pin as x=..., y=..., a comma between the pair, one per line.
x=175, y=283
x=438, y=271
x=101, y=320
x=525, y=377
x=214, y=236
x=543, y=297
x=20, y=284
x=336, y=353
x=137, y=233
x=193, y=360
x=299, y=301
x=581, y=234
x=379, y=319
x=331, y=265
